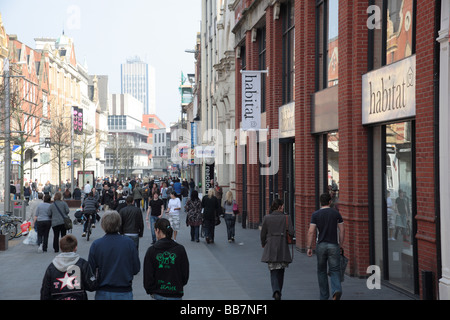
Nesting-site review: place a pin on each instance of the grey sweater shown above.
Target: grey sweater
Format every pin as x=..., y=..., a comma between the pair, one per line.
x=53, y=212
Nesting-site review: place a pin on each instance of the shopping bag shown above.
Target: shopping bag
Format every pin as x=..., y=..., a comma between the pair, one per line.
x=31, y=239
x=25, y=227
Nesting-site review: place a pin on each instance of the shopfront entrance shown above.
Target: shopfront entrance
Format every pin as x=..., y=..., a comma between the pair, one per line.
x=394, y=204
x=288, y=177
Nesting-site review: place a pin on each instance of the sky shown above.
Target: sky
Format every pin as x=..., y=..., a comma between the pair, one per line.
x=107, y=32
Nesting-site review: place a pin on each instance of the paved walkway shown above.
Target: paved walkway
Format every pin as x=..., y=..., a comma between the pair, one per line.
x=219, y=271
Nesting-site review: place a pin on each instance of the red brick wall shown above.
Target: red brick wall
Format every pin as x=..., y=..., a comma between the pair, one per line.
x=353, y=168
x=304, y=141
x=425, y=180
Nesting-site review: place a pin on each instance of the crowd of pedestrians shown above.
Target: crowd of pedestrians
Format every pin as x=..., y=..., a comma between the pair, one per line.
x=113, y=259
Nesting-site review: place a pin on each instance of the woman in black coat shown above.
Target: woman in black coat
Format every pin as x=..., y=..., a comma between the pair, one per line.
x=210, y=204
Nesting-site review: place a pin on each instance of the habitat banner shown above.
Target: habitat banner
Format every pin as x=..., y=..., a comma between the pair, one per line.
x=251, y=100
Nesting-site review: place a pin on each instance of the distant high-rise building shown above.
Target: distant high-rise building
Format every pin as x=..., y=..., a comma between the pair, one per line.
x=138, y=80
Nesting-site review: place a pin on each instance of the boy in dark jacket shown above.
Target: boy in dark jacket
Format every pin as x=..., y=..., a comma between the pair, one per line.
x=166, y=265
x=68, y=276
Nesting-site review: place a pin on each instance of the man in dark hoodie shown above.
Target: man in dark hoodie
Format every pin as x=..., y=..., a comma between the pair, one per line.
x=115, y=259
x=166, y=265
x=68, y=276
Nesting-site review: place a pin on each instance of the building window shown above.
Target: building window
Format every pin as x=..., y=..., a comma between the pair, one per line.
x=262, y=65
x=288, y=52
x=396, y=37
x=327, y=43
x=399, y=203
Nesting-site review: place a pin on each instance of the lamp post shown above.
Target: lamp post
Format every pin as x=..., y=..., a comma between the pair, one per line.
x=7, y=139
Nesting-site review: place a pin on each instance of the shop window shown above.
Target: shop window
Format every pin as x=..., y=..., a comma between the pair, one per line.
x=399, y=204
x=327, y=43
x=327, y=167
x=288, y=15
x=396, y=39
x=262, y=65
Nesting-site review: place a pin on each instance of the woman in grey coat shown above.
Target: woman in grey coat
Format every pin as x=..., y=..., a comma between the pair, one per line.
x=274, y=241
x=58, y=218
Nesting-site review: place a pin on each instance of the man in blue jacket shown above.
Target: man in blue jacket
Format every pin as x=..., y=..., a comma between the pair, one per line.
x=115, y=260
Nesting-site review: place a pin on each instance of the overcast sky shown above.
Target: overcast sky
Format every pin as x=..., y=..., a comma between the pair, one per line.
x=107, y=32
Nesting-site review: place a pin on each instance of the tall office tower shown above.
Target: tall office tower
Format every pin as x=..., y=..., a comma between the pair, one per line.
x=138, y=80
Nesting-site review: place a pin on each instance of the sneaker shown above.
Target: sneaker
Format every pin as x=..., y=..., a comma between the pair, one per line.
x=40, y=249
x=84, y=234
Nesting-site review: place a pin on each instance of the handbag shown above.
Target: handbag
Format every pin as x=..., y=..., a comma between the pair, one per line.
x=67, y=220
x=235, y=208
x=290, y=239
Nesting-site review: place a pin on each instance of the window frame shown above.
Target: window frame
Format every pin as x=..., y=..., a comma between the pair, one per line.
x=262, y=64
x=288, y=52
x=371, y=35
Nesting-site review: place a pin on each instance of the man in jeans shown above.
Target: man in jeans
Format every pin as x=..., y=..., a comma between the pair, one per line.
x=327, y=221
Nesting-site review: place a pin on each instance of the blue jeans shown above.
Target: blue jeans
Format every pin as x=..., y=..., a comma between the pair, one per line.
x=153, y=220
x=109, y=295
x=328, y=254
x=195, y=233
x=230, y=221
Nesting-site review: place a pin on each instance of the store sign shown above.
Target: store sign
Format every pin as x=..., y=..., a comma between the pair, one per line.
x=286, y=118
x=251, y=100
x=389, y=93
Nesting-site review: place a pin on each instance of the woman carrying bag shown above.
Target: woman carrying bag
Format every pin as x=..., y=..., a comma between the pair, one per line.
x=58, y=211
x=230, y=215
x=275, y=228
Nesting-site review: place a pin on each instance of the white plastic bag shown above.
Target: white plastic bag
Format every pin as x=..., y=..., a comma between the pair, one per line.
x=31, y=239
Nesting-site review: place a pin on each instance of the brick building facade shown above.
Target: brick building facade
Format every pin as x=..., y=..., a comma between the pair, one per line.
x=374, y=147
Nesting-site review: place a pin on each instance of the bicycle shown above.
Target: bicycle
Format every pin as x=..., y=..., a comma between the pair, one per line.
x=8, y=225
x=88, y=220
x=89, y=227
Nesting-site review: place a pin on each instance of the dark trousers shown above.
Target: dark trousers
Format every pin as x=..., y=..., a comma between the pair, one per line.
x=276, y=280
x=209, y=226
x=137, y=202
x=59, y=230
x=43, y=229
x=195, y=232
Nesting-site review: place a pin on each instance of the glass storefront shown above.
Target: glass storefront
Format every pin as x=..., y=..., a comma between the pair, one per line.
x=393, y=199
x=399, y=211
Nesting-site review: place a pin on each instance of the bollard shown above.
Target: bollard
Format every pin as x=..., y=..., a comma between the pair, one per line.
x=3, y=243
x=427, y=285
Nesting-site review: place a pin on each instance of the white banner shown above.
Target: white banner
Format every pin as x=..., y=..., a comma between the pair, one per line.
x=251, y=100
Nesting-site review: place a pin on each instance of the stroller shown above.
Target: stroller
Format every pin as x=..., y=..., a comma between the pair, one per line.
x=80, y=218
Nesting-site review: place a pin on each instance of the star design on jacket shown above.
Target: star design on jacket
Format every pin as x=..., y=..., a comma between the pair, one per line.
x=67, y=281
